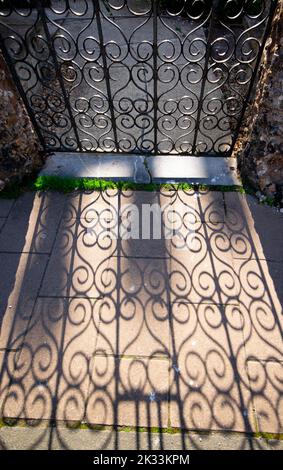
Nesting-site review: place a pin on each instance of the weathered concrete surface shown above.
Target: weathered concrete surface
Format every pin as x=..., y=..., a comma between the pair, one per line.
x=205, y=170
x=62, y=438
x=96, y=329
x=140, y=169
x=112, y=166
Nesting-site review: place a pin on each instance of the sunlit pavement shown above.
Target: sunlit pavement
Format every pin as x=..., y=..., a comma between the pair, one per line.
x=177, y=332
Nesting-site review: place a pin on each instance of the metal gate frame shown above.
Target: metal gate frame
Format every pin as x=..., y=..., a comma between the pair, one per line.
x=34, y=57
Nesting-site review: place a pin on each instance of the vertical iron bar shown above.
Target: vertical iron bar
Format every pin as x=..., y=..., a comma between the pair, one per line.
x=205, y=69
x=106, y=72
x=21, y=91
x=58, y=71
x=246, y=101
x=155, y=74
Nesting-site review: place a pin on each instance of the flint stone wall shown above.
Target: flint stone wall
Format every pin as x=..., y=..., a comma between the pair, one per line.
x=260, y=146
x=20, y=151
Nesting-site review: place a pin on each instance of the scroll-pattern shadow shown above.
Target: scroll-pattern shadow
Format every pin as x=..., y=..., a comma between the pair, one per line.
x=182, y=332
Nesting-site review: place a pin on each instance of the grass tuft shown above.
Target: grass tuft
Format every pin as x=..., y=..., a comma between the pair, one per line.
x=18, y=422
x=269, y=436
x=66, y=185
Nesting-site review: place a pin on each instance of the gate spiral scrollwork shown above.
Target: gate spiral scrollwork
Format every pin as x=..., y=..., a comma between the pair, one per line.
x=135, y=76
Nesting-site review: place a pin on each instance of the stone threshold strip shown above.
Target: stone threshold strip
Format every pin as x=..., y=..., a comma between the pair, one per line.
x=141, y=169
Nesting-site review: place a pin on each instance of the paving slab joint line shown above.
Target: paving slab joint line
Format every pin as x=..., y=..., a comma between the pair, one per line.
x=265, y=361
x=32, y=423
x=132, y=356
x=48, y=256
x=45, y=296
x=224, y=204
x=10, y=350
x=145, y=162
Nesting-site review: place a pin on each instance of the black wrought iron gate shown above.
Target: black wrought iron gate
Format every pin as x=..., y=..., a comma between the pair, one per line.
x=128, y=76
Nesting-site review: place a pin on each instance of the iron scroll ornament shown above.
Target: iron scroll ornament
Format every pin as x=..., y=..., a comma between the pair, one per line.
x=151, y=77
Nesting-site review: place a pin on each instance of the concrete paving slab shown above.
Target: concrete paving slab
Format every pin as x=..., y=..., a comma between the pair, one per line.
x=52, y=371
x=8, y=360
x=92, y=205
x=255, y=230
x=261, y=310
x=197, y=326
x=2, y=222
x=32, y=223
x=201, y=266
x=259, y=272
x=79, y=259
x=141, y=224
x=245, y=242
x=223, y=441
x=24, y=438
x=208, y=315
x=266, y=382
x=156, y=249
x=126, y=216
x=144, y=220
x=275, y=272
x=209, y=388
x=268, y=223
x=191, y=206
x=134, y=316
x=78, y=347
x=5, y=206
x=19, y=289
x=128, y=392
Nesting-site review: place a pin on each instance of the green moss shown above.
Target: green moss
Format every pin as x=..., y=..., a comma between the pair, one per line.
x=66, y=185
x=153, y=430
x=12, y=192
x=269, y=435
x=12, y=422
x=71, y=184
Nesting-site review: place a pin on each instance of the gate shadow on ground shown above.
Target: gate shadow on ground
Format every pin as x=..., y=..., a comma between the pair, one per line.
x=172, y=333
